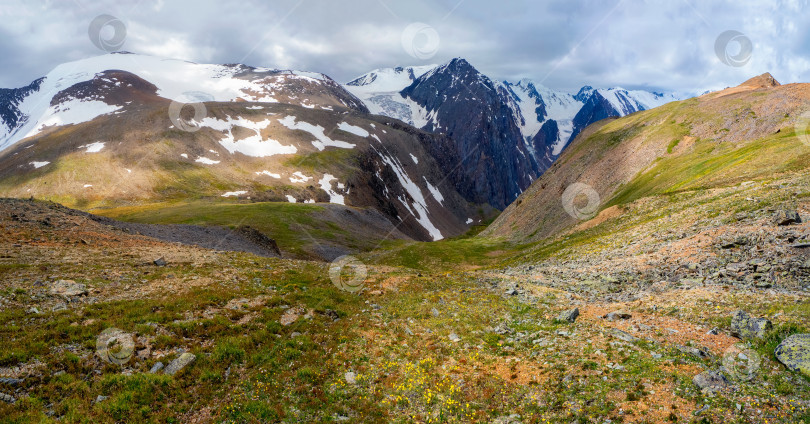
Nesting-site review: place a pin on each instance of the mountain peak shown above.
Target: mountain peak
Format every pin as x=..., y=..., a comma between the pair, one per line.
x=765, y=80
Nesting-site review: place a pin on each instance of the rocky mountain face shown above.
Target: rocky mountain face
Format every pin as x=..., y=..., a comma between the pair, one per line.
x=506, y=133
x=471, y=111
x=721, y=138
x=102, y=132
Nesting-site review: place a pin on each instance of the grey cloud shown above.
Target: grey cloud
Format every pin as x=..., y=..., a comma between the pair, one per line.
x=653, y=44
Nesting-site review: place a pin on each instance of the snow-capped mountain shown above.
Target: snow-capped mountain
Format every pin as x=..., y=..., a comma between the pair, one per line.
x=29, y=110
x=100, y=131
x=520, y=127
x=379, y=90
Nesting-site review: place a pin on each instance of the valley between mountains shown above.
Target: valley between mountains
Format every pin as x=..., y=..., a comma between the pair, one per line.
x=421, y=244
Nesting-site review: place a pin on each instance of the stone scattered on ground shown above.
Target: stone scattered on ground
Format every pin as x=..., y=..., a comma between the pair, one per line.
x=350, y=377
x=569, y=315
x=454, y=337
x=622, y=335
x=179, y=363
x=710, y=380
x=160, y=262
x=68, y=288
x=10, y=381
x=698, y=353
x=745, y=326
x=617, y=315
x=787, y=217
x=7, y=398
x=157, y=367
x=290, y=316
x=794, y=352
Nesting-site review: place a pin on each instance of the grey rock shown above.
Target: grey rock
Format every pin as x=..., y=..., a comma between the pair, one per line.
x=745, y=326
x=698, y=353
x=350, y=377
x=68, y=288
x=101, y=398
x=511, y=292
x=622, y=335
x=710, y=380
x=331, y=314
x=794, y=352
x=434, y=312
x=701, y=410
x=7, y=398
x=454, y=337
x=617, y=315
x=10, y=381
x=786, y=217
x=157, y=367
x=569, y=315
x=179, y=363
x=159, y=262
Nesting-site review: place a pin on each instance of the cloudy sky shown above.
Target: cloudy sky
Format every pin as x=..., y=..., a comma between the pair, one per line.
x=667, y=45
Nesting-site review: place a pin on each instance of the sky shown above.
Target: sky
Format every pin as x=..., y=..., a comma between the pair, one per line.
x=662, y=45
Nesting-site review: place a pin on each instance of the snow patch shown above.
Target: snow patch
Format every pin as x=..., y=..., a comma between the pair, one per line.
x=414, y=159
x=39, y=164
x=234, y=193
x=298, y=177
x=419, y=210
x=93, y=147
x=291, y=199
x=206, y=161
x=353, y=129
x=254, y=145
x=321, y=140
x=326, y=185
x=269, y=174
x=434, y=191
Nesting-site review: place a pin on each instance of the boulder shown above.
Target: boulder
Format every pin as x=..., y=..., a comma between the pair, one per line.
x=794, y=352
x=786, y=217
x=68, y=288
x=569, y=315
x=710, y=380
x=745, y=326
